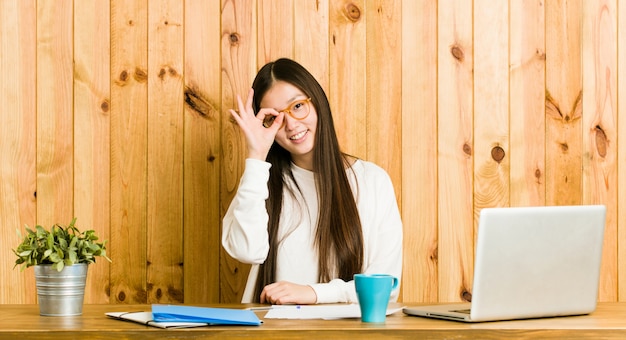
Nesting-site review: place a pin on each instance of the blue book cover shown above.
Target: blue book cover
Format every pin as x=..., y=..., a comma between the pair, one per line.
x=214, y=316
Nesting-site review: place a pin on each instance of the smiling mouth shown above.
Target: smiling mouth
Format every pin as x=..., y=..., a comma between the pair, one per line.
x=299, y=135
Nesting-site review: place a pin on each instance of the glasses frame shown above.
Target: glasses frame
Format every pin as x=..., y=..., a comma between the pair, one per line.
x=269, y=120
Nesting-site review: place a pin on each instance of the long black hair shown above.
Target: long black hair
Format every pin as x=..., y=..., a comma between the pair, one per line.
x=339, y=238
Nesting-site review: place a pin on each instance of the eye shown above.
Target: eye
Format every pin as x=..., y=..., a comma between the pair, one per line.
x=297, y=106
x=268, y=120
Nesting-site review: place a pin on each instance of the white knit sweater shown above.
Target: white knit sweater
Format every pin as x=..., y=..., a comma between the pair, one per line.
x=245, y=237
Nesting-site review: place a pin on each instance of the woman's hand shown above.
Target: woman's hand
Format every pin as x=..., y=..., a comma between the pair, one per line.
x=258, y=137
x=283, y=292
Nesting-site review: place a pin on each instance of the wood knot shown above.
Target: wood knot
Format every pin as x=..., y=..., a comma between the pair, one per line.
x=210, y=158
x=552, y=107
x=196, y=101
x=467, y=149
x=121, y=296
x=541, y=55
x=537, y=173
x=175, y=294
x=234, y=39
x=434, y=254
x=105, y=105
x=166, y=70
x=123, y=76
x=457, y=53
x=140, y=75
x=352, y=12
x=564, y=147
x=497, y=153
x=141, y=295
x=466, y=296
x=158, y=293
x=601, y=141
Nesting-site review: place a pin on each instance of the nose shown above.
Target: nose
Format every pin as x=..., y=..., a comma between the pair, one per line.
x=289, y=122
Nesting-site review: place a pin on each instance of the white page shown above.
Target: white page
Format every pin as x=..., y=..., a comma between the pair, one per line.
x=327, y=312
x=145, y=318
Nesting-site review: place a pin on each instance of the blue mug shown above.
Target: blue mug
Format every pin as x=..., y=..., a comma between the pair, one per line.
x=373, y=292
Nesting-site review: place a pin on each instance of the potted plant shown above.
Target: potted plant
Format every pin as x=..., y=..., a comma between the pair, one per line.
x=60, y=257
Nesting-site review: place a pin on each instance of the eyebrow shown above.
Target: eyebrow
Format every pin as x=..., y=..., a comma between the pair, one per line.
x=294, y=98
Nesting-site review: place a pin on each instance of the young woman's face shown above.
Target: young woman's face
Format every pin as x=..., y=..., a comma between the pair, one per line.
x=297, y=136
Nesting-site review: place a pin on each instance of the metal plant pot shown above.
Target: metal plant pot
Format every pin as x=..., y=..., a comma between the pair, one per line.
x=61, y=293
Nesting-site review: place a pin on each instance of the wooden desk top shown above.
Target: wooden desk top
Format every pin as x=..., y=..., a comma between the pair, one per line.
x=24, y=322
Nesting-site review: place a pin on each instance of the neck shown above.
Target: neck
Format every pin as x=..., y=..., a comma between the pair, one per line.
x=303, y=161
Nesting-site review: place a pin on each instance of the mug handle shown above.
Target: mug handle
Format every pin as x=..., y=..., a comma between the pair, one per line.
x=394, y=283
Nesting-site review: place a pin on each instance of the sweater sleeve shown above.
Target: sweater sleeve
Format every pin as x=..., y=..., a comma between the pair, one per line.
x=244, y=226
x=382, y=233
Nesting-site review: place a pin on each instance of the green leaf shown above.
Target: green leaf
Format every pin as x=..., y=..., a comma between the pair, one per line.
x=63, y=244
x=25, y=253
x=49, y=240
x=72, y=257
x=73, y=242
x=55, y=258
x=58, y=266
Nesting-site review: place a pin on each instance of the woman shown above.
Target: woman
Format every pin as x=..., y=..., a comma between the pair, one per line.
x=307, y=216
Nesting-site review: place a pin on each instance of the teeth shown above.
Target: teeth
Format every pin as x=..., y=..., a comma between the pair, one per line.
x=298, y=136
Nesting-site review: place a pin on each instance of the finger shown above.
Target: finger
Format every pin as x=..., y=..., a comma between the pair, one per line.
x=242, y=109
x=266, y=111
x=235, y=116
x=283, y=298
x=275, y=123
x=249, y=100
x=266, y=294
x=278, y=122
x=270, y=293
x=267, y=116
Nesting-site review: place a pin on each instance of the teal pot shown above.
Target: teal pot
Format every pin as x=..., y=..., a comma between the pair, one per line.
x=61, y=293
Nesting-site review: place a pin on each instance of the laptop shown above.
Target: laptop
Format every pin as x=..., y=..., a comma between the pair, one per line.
x=531, y=262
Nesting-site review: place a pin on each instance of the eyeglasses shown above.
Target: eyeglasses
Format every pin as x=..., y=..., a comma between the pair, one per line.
x=298, y=109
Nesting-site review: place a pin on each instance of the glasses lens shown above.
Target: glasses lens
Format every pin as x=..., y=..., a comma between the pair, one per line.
x=299, y=109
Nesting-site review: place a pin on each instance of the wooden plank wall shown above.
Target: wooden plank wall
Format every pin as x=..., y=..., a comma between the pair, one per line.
x=115, y=111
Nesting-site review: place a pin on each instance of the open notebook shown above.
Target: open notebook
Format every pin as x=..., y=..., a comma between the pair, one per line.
x=531, y=262
x=180, y=316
